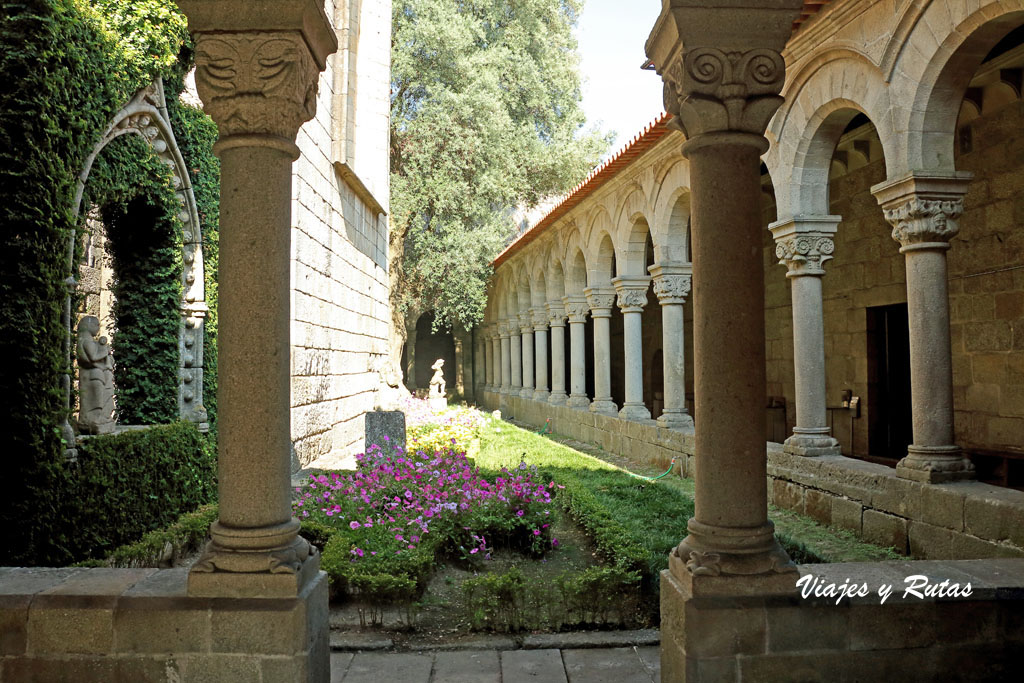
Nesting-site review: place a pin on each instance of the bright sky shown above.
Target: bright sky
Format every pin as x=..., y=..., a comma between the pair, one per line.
x=617, y=94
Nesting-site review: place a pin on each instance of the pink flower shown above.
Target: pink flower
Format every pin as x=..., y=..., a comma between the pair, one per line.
x=554, y=542
x=536, y=532
x=354, y=525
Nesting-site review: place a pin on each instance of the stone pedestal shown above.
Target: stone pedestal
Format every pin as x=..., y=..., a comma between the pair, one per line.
x=556, y=319
x=672, y=286
x=632, y=298
x=601, y=301
x=924, y=211
x=803, y=245
x=576, y=307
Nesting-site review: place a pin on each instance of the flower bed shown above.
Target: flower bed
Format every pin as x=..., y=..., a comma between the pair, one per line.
x=384, y=526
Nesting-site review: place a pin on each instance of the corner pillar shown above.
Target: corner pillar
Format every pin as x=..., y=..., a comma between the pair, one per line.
x=556, y=320
x=601, y=300
x=576, y=308
x=672, y=285
x=803, y=245
x=632, y=298
x=924, y=211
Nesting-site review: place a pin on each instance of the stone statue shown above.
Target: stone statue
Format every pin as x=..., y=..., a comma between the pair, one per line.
x=437, y=383
x=436, y=398
x=95, y=379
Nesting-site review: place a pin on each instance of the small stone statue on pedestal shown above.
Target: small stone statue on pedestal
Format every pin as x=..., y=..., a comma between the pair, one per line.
x=95, y=379
x=436, y=398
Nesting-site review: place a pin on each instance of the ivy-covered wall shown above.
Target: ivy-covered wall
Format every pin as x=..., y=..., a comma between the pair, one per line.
x=68, y=66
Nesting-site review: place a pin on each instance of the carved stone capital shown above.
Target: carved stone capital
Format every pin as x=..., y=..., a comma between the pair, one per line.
x=924, y=210
x=632, y=293
x=503, y=332
x=577, y=308
x=600, y=300
x=258, y=83
x=710, y=90
x=805, y=253
x=556, y=313
x=672, y=289
x=540, y=318
x=525, y=322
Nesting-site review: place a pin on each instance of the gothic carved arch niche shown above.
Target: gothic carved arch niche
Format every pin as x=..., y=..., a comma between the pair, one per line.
x=146, y=115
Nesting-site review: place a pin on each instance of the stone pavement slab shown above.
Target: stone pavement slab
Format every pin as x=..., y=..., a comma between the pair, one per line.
x=532, y=666
x=467, y=667
x=382, y=667
x=339, y=665
x=651, y=657
x=607, y=665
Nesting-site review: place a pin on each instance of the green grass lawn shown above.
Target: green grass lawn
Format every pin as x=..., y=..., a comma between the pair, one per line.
x=655, y=513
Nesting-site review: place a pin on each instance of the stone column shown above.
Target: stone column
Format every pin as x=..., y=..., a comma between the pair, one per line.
x=632, y=298
x=516, y=341
x=496, y=354
x=506, y=357
x=601, y=300
x=257, y=76
x=723, y=71
x=803, y=245
x=485, y=335
x=924, y=211
x=556, y=318
x=526, y=330
x=672, y=286
x=576, y=307
x=540, y=353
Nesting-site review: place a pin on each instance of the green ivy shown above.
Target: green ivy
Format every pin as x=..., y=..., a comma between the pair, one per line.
x=68, y=66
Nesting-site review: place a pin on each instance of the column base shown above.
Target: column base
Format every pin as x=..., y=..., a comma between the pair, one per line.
x=578, y=401
x=231, y=573
x=635, y=411
x=540, y=395
x=558, y=398
x=681, y=422
x=732, y=560
x=811, y=442
x=935, y=465
x=604, y=407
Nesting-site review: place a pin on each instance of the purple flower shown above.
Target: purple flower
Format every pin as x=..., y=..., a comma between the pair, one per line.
x=354, y=525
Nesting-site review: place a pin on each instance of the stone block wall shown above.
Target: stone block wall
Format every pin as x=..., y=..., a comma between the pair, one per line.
x=962, y=520
x=131, y=625
x=339, y=273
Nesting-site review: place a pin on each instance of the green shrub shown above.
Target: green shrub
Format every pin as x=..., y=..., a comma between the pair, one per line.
x=162, y=547
x=125, y=485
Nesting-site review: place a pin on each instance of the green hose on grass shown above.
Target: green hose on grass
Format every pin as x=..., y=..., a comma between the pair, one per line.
x=546, y=429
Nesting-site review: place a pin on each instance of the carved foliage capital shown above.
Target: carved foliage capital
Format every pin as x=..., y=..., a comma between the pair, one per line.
x=805, y=253
x=601, y=301
x=632, y=299
x=672, y=289
x=921, y=220
x=577, y=310
x=711, y=90
x=556, y=313
x=256, y=82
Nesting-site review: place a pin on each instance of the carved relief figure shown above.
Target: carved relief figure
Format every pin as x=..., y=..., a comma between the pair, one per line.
x=437, y=383
x=95, y=379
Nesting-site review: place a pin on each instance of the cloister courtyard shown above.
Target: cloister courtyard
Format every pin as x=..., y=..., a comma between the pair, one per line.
x=745, y=404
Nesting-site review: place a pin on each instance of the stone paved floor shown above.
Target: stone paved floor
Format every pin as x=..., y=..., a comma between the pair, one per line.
x=593, y=665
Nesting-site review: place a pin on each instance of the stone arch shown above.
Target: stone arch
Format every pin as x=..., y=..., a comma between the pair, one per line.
x=633, y=227
x=524, y=297
x=800, y=143
x=146, y=115
x=671, y=228
x=602, y=266
x=538, y=288
x=576, y=272
x=955, y=44
x=555, y=279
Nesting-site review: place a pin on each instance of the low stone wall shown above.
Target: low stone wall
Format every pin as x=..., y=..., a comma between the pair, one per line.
x=792, y=638
x=110, y=625
x=961, y=520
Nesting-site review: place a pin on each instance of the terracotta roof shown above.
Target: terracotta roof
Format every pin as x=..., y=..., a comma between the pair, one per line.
x=601, y=174
x=810, y=8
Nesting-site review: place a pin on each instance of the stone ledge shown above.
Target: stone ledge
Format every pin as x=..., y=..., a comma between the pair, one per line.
x=932, y=521
x=141, y=624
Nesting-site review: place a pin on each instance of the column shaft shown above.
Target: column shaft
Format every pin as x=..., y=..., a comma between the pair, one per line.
x=558, y=394
x=506, y=363
x=540, y=349
x=674, y=414
x=517, y=360
x=528, y=372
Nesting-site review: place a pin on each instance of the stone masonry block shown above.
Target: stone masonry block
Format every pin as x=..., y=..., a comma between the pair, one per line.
x=272, y=627
x=885, y=530
x=942, y=505
x=171, y=625
x=847, y=514
x=892, y=626
x=732, y=630
x=806, y=627
x=928, y=542
x=995, y=514
x=788, y=495
x=818, y=506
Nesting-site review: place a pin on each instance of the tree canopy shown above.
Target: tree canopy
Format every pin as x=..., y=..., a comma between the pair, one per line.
x=485, y=117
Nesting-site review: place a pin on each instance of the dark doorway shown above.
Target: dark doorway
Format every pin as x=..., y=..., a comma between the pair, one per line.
x=889, y=417
x=430, y=346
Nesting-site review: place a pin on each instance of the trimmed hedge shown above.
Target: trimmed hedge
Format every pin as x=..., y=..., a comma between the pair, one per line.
x=127, y=484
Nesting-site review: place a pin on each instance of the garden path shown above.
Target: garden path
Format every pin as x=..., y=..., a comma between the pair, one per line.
x=593, y=665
